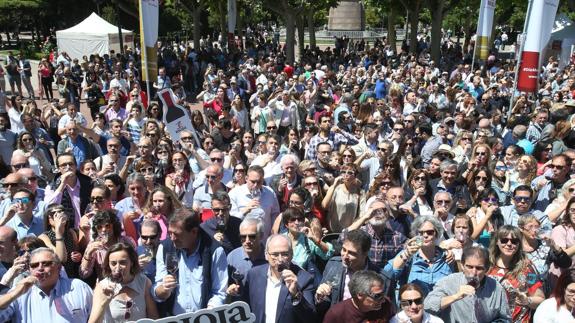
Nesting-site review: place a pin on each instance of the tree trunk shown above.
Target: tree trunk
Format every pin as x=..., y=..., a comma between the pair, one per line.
x=223, y=26
x=413, y=23
x=197, y=16
x=300, y=23
x=391, y=34
x=311, y=26
x=290, y=37
x=436, y=20
x=240, y=25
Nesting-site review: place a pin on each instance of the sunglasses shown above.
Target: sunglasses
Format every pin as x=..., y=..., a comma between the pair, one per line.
x=409, y=302
x=23, y=200
x=216, y=160
x=129, y=305
x=523, y=199
x=152, y=237
x=239, y=170
x=514, y=241
x=211, y=177
x=482, y=178
x=558, y=167
x=297, y=219
x=147, y=170
x=186, y=139
x=492, y=200
x=97, y=199
x=8, y=185
x=420, y=178
x=377, y=297
x=480, y=153
x=272, y=128
x=219, y=210
x=20, y=166
x=500, y=167
x=310, y=183
x=427, y=232
x=249, y=236
x=442, y=202
x=35, y=265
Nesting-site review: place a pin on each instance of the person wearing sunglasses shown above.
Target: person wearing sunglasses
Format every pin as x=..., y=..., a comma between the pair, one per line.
x=471, y=295
x=59, y=237
x=368, y=301
x=422, y=259
x=478, y=181
x=147, y=248
x=27, y=301
x=24, y=215
x=124, y=292
x=548, y=184
x=522, y=204
x=223, y=228
x=516, y=273
x=411, y=298
x=245, y=257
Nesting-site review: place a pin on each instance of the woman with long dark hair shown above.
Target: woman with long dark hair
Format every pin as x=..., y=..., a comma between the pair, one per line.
x=561, y=306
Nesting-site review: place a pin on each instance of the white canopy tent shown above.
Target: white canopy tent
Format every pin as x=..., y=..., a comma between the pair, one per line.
x=91, y=36
x=562, y=41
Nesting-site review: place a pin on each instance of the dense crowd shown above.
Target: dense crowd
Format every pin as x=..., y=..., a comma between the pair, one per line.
x=359, y=184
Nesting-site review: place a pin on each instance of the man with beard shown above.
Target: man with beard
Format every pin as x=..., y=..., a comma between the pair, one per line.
x=386, y=224
x=355, y=249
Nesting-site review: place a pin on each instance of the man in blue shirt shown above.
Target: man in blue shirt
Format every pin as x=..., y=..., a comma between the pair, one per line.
x=198, y=273
x=521, y=205
x=45, y=296
x=24, y=216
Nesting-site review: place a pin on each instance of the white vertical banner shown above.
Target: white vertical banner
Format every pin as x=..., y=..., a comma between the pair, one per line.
x=484, y=28
x=232, y=15
x=541, y=19
x=149, y=16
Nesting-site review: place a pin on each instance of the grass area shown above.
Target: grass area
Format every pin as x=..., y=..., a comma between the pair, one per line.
x=4, y=53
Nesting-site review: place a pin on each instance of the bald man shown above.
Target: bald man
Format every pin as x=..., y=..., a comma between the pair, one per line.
x=8, y=248
x=31, y=179
x=11, y=184
x=18, y=161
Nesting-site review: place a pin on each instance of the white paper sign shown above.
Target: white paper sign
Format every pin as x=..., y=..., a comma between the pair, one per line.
x=236, y=312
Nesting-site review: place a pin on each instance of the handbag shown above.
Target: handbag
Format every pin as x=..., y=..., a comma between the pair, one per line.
x=559, y=258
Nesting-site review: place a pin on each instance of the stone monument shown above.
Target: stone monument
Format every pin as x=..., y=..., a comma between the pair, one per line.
x=349, y=15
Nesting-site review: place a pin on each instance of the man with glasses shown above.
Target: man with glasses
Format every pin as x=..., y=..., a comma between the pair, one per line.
x=32, y=299
x=201, y=277
x=76, y=144
x=150, y=233
x=255, y=199
x=11, y=183
x=68, y=188
x=25, y=216
x=31, y=180
x=368, y=301
x=469, y=296
x=280, y=291
x=548, y=184
x=244, y=258
x=270, y=161
x=223, y=228
x=203, y=193
x=521, y=203
x=42, y=137
x=18, y=161
x=217, y=159
x=441, y=206
x=198, y=159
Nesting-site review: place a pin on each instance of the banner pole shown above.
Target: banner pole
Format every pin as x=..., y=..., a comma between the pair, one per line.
x=518, y=59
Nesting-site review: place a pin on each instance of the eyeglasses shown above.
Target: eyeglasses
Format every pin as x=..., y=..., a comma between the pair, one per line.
x=347, y=156
x=297, y=219
x=271, y=128
x=492, y=200
x=500, y=167
x=465, y=138
x=385, y=183
x=186, y=139
x=68, y=164
x=151, y=134
x=250, y=237
x=128, y=314
x=23, y=200
x=152, y=237
x=442, y=202
x=239, y=170
x=97, y=199
x=7, y=185
x=409, y=302
x=219, y=210
x=147, y=170
x=211, y=176
x=420, y=178
x=381, y=149
x=481, y=153
x=397, y=129
x=558, y=167
x=522, y=199
x=279, y=254
x=216, y=160
x=426, y=232
x=294, y=203
x=514, y=241
x=47, y=263
x=378, y=297
x=310, y=183
x=20, y=166
x=481, y=178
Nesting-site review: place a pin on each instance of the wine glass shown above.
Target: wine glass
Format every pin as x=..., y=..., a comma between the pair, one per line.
x=172, y=261
x=220, y=225
x=472, y=281
x=238, y=277
x=544, y=234
x=101, y=253
x=255, y=193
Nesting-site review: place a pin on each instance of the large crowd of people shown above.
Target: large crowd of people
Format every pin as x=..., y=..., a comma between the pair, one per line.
x=362, y=183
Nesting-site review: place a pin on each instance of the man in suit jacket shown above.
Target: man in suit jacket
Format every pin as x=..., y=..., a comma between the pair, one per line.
x=287, y=289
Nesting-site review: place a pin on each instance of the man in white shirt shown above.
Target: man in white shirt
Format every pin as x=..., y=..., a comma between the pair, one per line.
x=255, y=199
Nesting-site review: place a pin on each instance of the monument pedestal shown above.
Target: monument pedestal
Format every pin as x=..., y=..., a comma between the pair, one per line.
x=348, y=15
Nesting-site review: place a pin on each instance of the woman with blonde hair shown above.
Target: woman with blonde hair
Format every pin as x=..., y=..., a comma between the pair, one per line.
x=462, y=146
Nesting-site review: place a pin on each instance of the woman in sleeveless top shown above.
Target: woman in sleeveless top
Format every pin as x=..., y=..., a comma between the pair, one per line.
x=124, y=292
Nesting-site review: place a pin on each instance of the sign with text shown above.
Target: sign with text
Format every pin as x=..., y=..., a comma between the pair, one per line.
x=236, y=312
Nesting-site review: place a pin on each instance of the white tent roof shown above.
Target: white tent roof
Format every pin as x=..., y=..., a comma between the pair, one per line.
x=93, y=25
